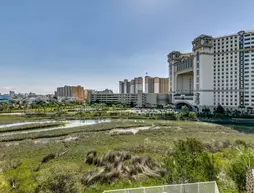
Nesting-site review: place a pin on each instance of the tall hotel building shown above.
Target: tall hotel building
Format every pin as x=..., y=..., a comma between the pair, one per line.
x=76, y=92
x=156, y=85
x=134, y=86
x=219, y=70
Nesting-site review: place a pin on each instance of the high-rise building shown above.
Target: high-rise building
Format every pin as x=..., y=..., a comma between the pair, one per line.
x=149, y=84
x=219, y=70
x=156, y=85
x=12, y=94
x=133, y=86
x=126, y=86
x=121, y=87
x=138, y=84
x=76, y=92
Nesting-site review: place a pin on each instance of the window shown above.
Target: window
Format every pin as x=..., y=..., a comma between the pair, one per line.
x=197, y=56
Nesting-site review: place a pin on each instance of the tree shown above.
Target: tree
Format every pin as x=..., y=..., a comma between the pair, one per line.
x=192, y=115
x=6, y=106
x=240, y=165
x=178, y=116
x=206, y=111
x=185, y=109
x=249, y=109
x=242, y=107
x=220, y=109
x=189, y=163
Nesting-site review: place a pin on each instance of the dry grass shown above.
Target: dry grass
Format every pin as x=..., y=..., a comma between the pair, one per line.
x=114, y=165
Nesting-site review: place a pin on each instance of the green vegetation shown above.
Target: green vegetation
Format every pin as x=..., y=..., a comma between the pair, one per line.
x=90, y=159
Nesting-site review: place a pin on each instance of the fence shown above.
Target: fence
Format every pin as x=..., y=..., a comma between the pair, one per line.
x=201, y=187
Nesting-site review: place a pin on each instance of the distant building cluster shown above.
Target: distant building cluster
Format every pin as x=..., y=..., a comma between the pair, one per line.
x=152, y=85
x=218, y=71
x=133, y=86
x=25, y=98
x=131, y=93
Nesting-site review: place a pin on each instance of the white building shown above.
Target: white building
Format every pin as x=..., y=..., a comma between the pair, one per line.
x=219, y=70
x=139, y=99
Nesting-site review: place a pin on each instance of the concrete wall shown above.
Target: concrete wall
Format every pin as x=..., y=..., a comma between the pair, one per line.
x=206, y=78
x=151, y=100
x=163, y=99
x=183, y=83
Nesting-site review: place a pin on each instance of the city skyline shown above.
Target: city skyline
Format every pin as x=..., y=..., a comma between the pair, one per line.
x=95, y=44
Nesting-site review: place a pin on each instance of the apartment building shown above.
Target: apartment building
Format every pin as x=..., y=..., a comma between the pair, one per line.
x=76, y=92
x=133, y=86
x=219, y=70
x=156, y=85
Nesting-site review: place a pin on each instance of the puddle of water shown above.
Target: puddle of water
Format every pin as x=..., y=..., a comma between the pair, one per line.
x=69, y=124
x=129, y=131
x=12, y=113
x=25, y=123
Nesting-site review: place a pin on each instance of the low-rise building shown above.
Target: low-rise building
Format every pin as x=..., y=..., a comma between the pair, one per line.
x=5, y=99
x=131, y=99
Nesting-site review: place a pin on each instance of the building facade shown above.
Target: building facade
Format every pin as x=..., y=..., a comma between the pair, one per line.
x=137, y=99
x=219, y=70
x=76, y=92
x=133, y=86
x=156, y=85
x=121, y=87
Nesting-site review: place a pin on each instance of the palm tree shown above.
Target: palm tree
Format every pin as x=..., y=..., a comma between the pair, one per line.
x=6, y=106
x=1, y=107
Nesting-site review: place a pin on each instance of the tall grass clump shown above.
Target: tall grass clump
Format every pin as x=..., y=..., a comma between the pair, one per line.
x=115, y=165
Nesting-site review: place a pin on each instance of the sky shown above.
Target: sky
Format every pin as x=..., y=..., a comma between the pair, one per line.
x=95, y=43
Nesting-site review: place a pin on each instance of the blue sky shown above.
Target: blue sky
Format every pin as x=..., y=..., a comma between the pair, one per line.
x=96, y=43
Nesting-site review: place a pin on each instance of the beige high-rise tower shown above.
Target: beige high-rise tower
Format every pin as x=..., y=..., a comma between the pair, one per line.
x=156, y=85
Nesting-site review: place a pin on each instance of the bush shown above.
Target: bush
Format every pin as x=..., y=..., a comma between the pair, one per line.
x=241, y=142
x=59, y=180
x=238, y=173
x=220, y=109
x=48, y=157
x=192, y=115
x=189, y=163
x=178, y=116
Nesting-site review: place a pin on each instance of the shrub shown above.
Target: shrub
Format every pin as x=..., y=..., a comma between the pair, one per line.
x=238, y=173
x=220, y=109
x=189, y=163
x=179, y=115
x=59, y=180
x=48, y=157
x=192, y=115
x=240, y=142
